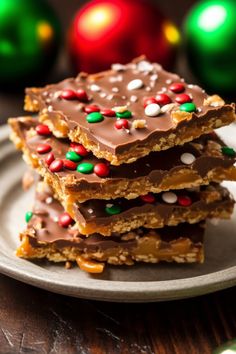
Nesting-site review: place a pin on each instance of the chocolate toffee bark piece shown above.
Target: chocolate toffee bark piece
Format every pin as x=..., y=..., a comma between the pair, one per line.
x=81, y=176
x=50, y=234
x=153, y=210
x=123, y=114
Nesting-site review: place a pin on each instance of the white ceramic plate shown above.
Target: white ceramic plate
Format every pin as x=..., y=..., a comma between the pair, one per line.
x=141, y=283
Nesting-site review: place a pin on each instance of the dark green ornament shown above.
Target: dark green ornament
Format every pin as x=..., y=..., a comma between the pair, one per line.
x=73, y=156
x=85, y=168
x=226, y=150
x=125, y=114
x=113, y=209
x=188, y=107
x=28, y=216
x=94, y=117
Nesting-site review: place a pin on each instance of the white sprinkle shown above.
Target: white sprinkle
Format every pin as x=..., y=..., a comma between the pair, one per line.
x=57, y=94
x=118, y=67
x=135, y=84
x=133, y=98
x=116, y=78
x=169, y=197
x=110, y=97
x=45, y=93
x=95, y=88
x=190, y=86
x=48, y=100
x=55, y=219
x=90, y=211
x=115, y=89
x=169, y=81
x=123, y=97
x=148, y=88
x=49, y=200
x=199, y=110
x=102, y=94
x=187, y=158
x=152, y=110
x=109, y=205
x=154, y=77
x=50, y=108
x=144, y=65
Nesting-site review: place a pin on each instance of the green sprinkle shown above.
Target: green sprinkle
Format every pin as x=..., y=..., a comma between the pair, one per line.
x=113, y=209
x=73, y=156
x=28, y=216
x=125, y=114
x=188, y=107
x=85, y=168
x=228, y=151
x=94, y=117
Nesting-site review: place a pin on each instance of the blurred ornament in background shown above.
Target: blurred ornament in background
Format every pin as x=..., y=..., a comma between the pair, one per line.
x=210, y=38
x=29, y=41
x=116, y=31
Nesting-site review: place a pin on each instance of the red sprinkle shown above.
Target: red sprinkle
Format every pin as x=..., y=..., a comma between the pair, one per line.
x=68, y=94
x=108, y=112
x=148, y=198
x=82, y=95
x=43, y=148
x=183, y=98
x=91, y=109
x=177, y=87
x=42, y=129
x=101, y=169
x=50, y=158
x=122, y=123
x=70, y=165
x=65, y=220
x=79, y=149
x=184, y=200
x=162, y=99
x=56, y=166
x=149, y=100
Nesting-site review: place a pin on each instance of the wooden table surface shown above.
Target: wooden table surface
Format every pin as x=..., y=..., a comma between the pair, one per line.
x=36, y=321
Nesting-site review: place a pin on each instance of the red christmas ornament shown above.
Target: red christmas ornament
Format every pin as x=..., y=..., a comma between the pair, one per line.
x=49, y=159
x=116, y=31
x=79, y=149
x=56, y=166
x=148, y=198
x=108, y=112
x=70, y=165
x=43, y=148
x=177, y=87
x=82, y=95
x=162, y=99
x=42, y=129
x=184, y=200
x=101, y=169
x=149, y=100
x=91, y=109
x=183, y=98
x=65, y=220
x=122, y=123
x=68, y=95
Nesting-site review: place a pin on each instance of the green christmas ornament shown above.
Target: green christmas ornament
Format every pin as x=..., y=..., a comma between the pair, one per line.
x=28, y=216
x=29, y=41
x=210, y=38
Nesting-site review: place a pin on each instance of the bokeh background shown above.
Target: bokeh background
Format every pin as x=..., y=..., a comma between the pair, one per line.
x=213, y=46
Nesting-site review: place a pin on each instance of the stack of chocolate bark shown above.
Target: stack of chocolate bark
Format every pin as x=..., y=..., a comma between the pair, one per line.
x=130, y=167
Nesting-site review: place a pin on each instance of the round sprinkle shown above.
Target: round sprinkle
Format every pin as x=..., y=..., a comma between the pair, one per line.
x=149, y=100
x=188, y=107
x=148, y=198
x=85, y=168
x=125, y=114
x=28, y=216
x=177, y=87
x=82, y=95
x=184, y=200
x=113, y=209
x=122, y=123
x=228, y=151
x=70, y=165
x=43, y=148
x=169, y=197
x=183, y=98
x=101, y=169
x=49, y=159
x=152, y=110
x=95, y=88
x=94, y=117
x=68, y=95
x=56, y=166
x=42, y=129
x=65, y=220
x=163, y=99
x=91, y=109
x=79, y=149
x=73, y=156
x=187, y=158
x=108, y=112
x=135, y=84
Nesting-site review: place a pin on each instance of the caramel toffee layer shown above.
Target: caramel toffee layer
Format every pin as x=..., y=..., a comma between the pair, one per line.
x=123, y=89
x=153, y=210
x=45, y=238
x=159, y=171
